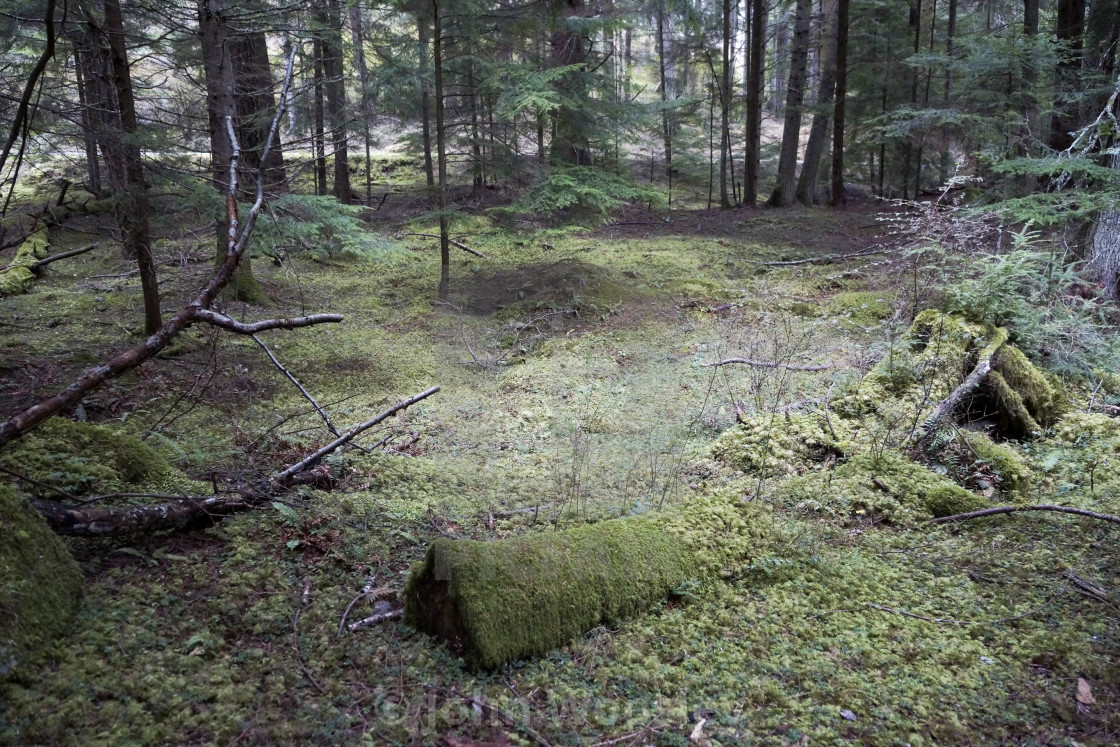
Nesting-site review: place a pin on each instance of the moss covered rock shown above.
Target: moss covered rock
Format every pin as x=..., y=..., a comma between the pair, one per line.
x=82, y=458
x=499, y=601
x=40, y=585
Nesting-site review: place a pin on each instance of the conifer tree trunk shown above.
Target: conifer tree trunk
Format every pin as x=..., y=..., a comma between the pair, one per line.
x=569, y=144
x=318, y=134
x=1070, y=29
x=423, y=35
x=254, y=104
x=441, y=153
x=357, y=33
x=755, y=79
x=132, y=205
x=818, y=133
x=842, y=13
x=336, y=100
x=89, y=136
x=785, y=193
x=725, y=108
x=221, y=89
x=666, y=125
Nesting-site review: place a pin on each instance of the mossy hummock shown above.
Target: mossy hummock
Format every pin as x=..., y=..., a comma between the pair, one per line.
x=40, y=585
x=499, y=601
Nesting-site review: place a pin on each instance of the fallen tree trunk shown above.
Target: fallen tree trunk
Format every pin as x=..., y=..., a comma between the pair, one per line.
x=33, y=231
x=190, y=512
x=494, y=602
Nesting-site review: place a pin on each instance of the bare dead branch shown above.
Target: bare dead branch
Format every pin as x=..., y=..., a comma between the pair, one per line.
x=830, y=257
x=299, y=386
x=374, y=619
x=769, y=364
x=241, y=328
x=284, y=477
x=1015, y=509
x=453, y=242
x=62, y=255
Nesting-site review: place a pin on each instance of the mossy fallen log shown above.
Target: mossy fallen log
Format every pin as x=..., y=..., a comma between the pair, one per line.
x=40, y=586
x=494, y=602
x=20, y=274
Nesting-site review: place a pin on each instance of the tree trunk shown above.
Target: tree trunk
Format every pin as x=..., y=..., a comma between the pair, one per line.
x=1106, y=245
x=221, y=88
x=842, y=13
x=818, y=133
x=132, y=196
x=441, y=154
x=1070, y=30
x=319, y=135
x=336, y=100
x=89, y=136
x=423, y=34
x=569, y=144
x=254, y=103
x=725, y=108
x=755, y=79
x=666, y=125
x=357, y=32
x=785, y=193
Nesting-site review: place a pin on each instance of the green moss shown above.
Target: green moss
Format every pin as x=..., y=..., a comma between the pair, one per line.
x=40, y=585
x=1016, y=476
x=82, y=458
x=772, y=443
x=861, y=308
x=887, y=486
x=1041, y=398
x=17, y=277
x=1013, y=418
x=499, y=601
x=1077, y=428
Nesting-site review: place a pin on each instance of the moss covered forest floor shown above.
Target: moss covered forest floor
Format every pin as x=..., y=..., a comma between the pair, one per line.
x=573, y=389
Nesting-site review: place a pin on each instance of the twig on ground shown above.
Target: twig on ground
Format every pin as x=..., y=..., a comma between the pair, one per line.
x=453, y=242
x=45, y=486
x=283, y=477
x=769, y=364
x=374, y=619
x=384, y=591
x=1015, y=509
x=830, y=257
x=62, y=255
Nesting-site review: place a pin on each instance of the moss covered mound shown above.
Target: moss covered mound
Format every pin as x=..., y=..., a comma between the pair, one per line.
x=82, y=458
x=1042, y=399
x=499, y=601
x=887, y=486
x=861, y=308
x=40, y=584
x=772, y=443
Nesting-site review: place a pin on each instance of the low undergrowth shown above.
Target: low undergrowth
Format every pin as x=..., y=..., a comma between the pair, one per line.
x=575, y=390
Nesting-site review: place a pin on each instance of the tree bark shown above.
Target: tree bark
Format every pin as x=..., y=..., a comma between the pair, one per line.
x=663, y=80
x=336, y=100
x=253, y=103
x=724, y=85
x=570, y=143
x=839, y=198
x=318, y=134
x=818, y=132
x=357, y=32
x=132, y=197
x=755, y=80
x=441, y=153
x=221, y=102
x=424, y=35
x=785, y=192
x=1069, y=30
x=1106, y=245
x=23, y=108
